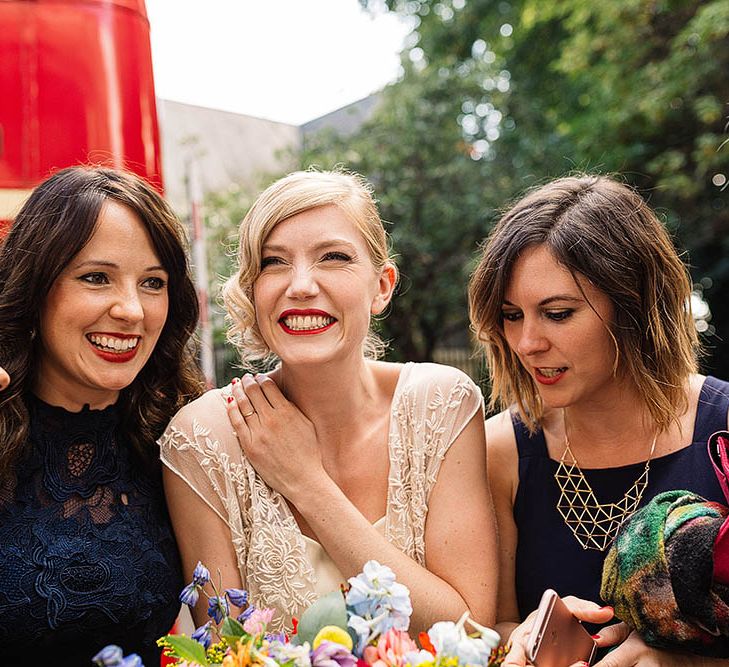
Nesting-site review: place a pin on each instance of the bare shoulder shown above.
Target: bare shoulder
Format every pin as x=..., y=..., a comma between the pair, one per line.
x=503, y=459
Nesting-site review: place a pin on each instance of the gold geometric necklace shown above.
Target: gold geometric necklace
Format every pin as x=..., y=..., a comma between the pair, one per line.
x=593, y=524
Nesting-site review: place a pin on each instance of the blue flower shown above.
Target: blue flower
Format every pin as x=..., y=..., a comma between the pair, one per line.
x=201, y=575
x=203, y=634
x=218, y=608
x=132, y=660
x=109, y=656
x=237, y=596
x=189, y=595
x=243, y=616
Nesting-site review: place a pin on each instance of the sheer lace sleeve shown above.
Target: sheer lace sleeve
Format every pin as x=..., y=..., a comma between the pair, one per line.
x=432, y=407
x=200, y=446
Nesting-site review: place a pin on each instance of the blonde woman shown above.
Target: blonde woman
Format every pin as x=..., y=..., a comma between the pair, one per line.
x=289, y=482
x=582, y=302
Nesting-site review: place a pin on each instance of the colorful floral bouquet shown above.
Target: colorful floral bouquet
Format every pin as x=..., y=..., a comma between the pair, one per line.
x=364, y=625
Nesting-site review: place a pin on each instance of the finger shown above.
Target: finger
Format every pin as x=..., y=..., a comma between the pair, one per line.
x=588, y=611
x=4, y=379
x=237, y=421
x=612, y=634
x=255, y=394
x=271, y=391
x=516, y=657
x=241, y=401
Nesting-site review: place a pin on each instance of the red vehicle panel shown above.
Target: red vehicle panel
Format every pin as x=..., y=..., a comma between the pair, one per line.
x=77, y=87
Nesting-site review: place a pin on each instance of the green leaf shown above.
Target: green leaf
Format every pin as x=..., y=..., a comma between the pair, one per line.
x=327, y=610
x=230, y=627
x=188, y=649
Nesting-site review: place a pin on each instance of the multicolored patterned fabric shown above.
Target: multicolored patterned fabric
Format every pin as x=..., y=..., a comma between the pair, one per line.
x=658, y=575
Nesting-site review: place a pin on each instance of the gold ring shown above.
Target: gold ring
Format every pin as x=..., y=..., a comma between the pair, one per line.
x=248, y=414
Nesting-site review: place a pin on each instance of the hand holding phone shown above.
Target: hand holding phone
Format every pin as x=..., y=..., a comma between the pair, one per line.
x=557, y=638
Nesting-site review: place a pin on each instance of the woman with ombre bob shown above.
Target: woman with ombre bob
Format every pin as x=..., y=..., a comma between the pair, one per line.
x=96, y=313
x=289, y=482
x=583, y=306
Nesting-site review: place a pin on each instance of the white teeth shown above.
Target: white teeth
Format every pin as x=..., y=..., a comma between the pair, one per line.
x=111, y=344
x=551, y=372
x=307, y=322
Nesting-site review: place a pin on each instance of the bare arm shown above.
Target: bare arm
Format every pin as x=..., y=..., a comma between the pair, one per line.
x=201, y=536
x=460, y=530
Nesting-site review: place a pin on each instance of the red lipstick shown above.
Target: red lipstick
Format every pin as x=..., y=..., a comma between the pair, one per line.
x=308, y=312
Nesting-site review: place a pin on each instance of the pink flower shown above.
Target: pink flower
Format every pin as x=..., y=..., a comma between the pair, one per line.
x=391, y=649
x=256, y=623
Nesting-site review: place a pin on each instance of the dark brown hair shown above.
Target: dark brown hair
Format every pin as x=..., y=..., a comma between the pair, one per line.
x=601, y=229
x=54, y=224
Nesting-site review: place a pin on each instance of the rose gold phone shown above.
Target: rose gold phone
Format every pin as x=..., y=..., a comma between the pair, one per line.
x=557, y=638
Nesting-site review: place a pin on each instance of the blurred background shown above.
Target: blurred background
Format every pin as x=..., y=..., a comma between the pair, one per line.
x=451, y=108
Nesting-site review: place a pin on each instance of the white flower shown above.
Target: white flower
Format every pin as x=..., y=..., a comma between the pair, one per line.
x=415, y=658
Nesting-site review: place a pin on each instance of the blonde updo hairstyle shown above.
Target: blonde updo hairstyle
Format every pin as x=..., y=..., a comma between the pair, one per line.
x=296, y=193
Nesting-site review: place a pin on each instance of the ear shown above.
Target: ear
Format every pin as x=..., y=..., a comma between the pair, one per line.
x=385, y=287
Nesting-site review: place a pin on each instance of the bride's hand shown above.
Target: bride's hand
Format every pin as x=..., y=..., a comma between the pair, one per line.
x=4, y=378
x=276, y=437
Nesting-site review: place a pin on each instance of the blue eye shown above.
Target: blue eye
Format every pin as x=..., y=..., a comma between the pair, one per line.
x=270, y=261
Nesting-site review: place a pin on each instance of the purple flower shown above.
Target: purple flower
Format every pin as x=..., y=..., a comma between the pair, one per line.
x=218, y=608
x=201, y=575
x=331, y=654
x=109, y=656
x=203, y=634
x=237, y=596
x=132, y=660
x=189, y=595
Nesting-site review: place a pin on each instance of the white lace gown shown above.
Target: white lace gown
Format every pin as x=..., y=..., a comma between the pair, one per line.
x=280, y=567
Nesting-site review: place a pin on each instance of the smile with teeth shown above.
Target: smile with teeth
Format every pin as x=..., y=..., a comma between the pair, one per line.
x=550, y=372
x=307, y=322
x=112, y=344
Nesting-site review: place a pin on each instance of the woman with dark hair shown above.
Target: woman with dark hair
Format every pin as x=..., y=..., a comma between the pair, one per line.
x=583, y=306
x=96, y=312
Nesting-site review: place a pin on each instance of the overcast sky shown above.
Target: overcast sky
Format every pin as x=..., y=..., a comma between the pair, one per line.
x=284, y=60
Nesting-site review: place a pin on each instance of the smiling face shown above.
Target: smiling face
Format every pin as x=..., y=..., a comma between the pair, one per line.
x=103, y=314
x=559, y=331
x=318, y=288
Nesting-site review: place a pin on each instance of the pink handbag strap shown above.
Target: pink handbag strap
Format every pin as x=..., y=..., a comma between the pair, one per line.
x=719, y=455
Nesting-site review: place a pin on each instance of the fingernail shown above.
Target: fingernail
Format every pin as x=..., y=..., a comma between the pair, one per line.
x=234, y=381
x=230, y=399
x=595, y=637
x=607, y=606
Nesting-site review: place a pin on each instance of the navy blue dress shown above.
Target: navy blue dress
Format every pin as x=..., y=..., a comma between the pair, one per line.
x=87, y=554
x=548, y=555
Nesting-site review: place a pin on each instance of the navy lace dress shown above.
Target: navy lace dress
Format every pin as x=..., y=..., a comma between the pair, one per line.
x=87, y=554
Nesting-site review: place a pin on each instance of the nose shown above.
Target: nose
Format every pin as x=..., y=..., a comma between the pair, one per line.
x=531, y=338
x=302, y=284
x=127, y=305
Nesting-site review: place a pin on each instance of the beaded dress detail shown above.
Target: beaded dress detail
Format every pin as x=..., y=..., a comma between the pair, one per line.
x=87, y=554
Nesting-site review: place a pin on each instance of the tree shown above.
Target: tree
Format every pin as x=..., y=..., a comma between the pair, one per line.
x=637, y=87
x=435, y=190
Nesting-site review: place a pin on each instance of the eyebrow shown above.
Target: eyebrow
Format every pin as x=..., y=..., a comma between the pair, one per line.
x=113, y=265
x=331, y=243
x=551, y=299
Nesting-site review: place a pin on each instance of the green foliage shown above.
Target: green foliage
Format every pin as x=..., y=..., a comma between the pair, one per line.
x=436, y=198
x=187, y=649
x=631, y=86
x=327, y=610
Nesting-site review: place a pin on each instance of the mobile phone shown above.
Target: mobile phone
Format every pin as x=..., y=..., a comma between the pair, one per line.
x=557, y=638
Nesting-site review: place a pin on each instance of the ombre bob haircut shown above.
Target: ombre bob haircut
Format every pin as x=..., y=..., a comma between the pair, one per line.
x=293, y=194
x=602, y=230
x=54, y=224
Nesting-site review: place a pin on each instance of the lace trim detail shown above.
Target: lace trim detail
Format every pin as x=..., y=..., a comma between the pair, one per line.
x=428, y=413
